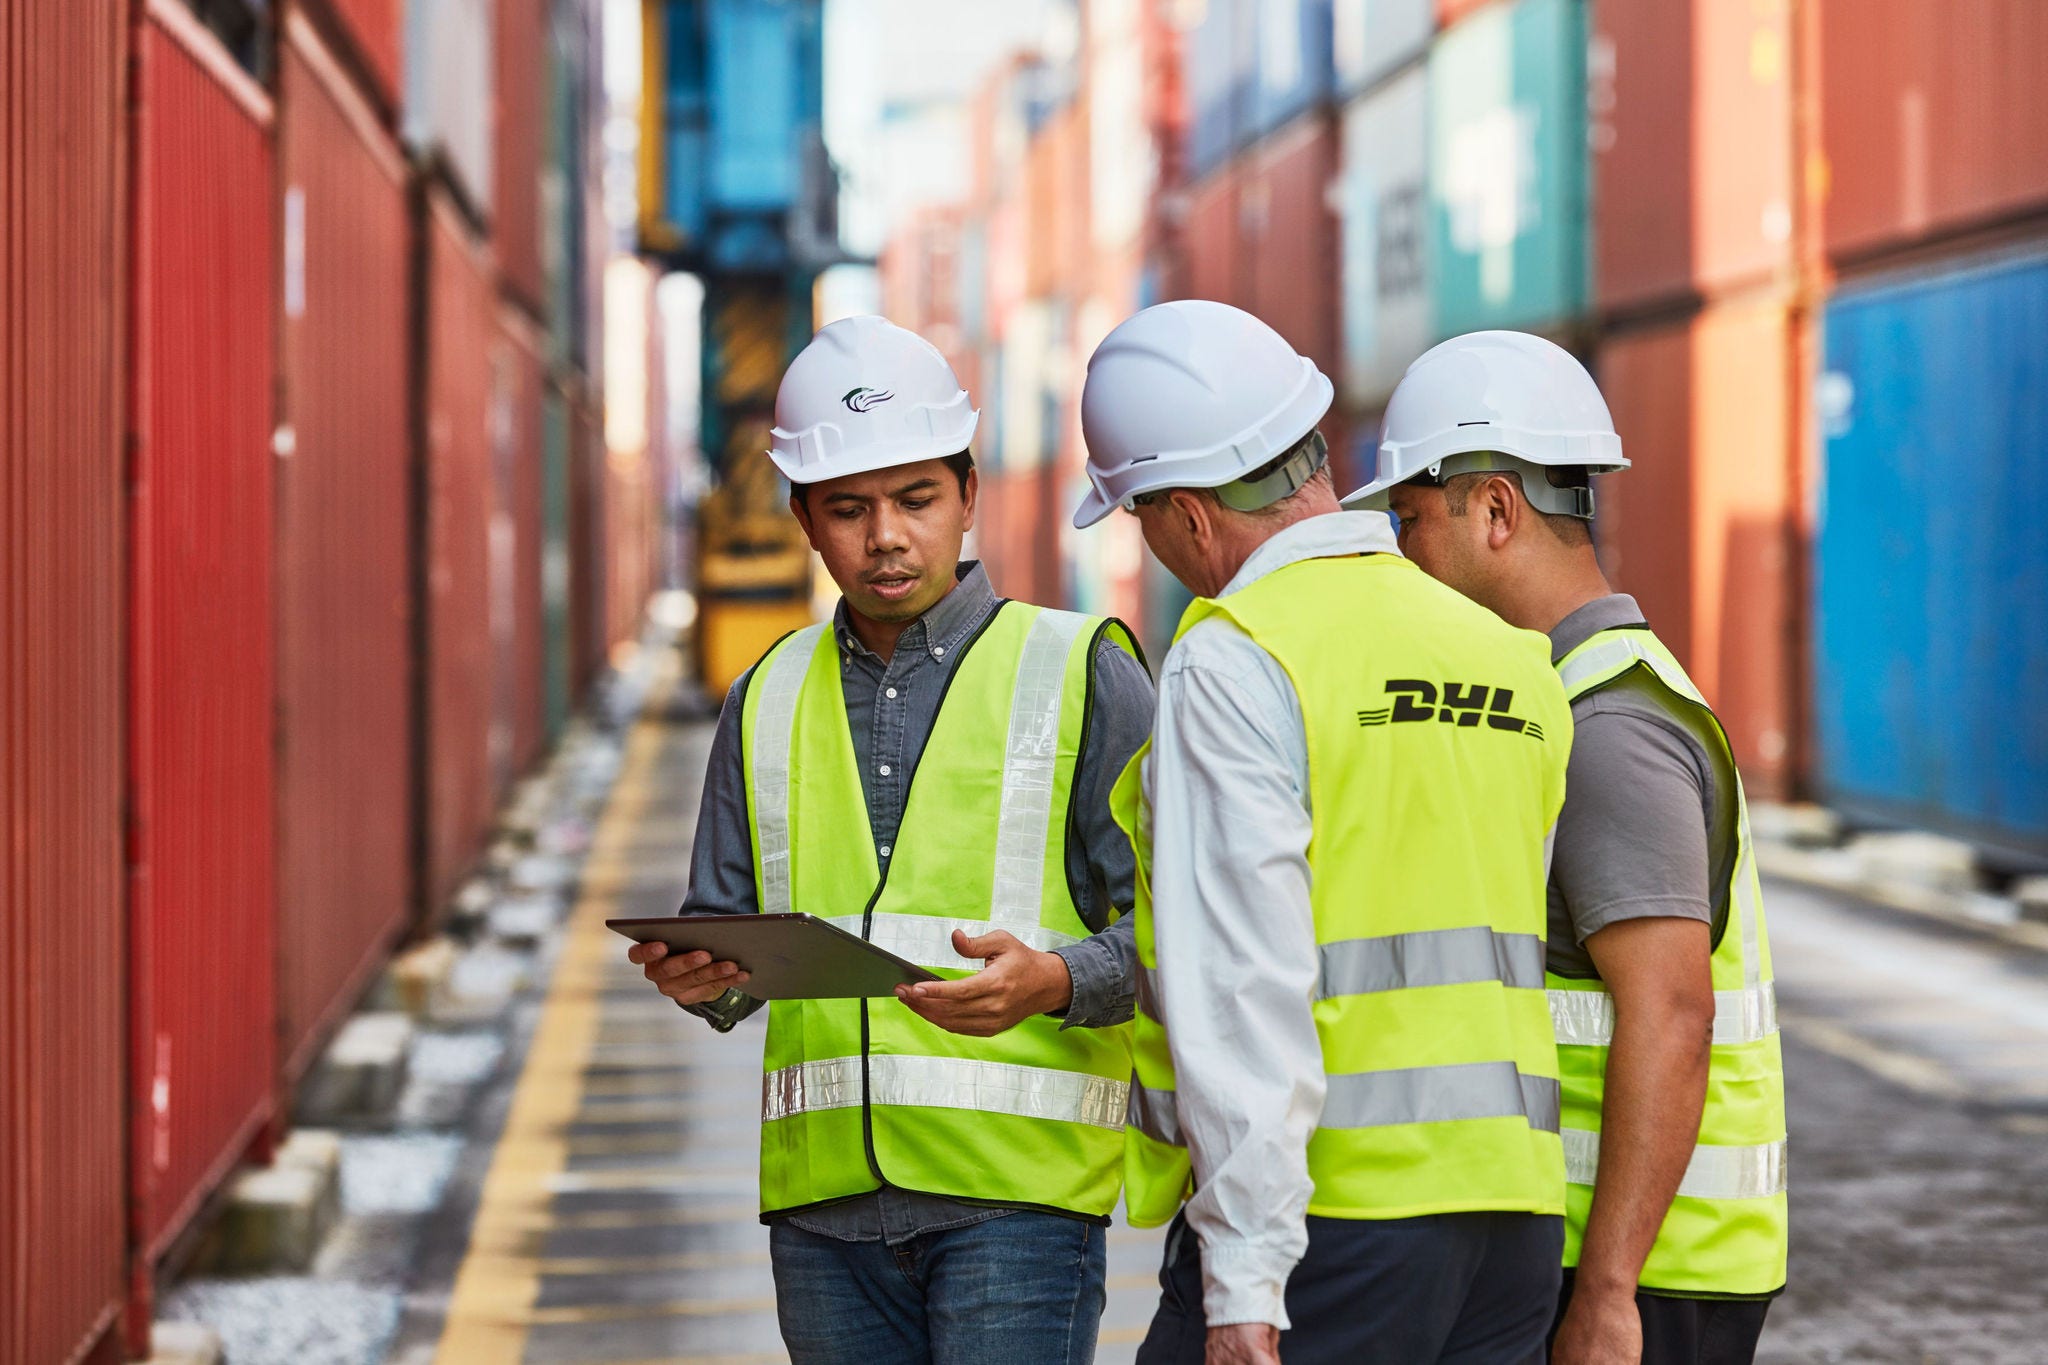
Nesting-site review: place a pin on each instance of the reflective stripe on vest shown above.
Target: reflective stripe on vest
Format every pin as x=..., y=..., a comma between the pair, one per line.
x=1440, y=1094
x=1713, y=1173
x=945, y=1083
x=1586, y=1018
x=1433, y=957
x=1028, y=758
x=928, y=940
x=781, y=683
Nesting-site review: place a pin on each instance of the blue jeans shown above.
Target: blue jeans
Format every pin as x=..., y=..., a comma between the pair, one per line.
x=1023, y=1289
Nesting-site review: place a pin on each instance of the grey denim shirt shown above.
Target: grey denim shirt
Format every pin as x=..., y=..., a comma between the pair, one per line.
x=891, y=707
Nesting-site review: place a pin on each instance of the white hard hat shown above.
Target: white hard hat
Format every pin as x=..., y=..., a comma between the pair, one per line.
x=867, y=394
x=1194, y=394
x=1490, y=402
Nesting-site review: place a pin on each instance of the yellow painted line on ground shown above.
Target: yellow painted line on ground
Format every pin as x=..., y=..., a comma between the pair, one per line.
x=1900, y=1068
x=1122, y=1336
x=643, y=1312
x=600, y=1220
x=669, y=1143
x=1146, y=1281
x=491, y=1309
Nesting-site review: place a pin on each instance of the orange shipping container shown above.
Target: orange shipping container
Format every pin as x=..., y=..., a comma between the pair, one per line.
x=1209, y=244
x=1290, y=238
x=375, y=29
x=63, y=255
x=520, y=99
x=515, y=540
x=1934, y=118
x=344, y=558
x=1691, y=108
x=1703, y=530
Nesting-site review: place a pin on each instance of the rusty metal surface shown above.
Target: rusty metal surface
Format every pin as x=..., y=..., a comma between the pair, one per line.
x=1692, y=147
x=343, y=558
x=63, y=144
x=1933, y=118
x=201, y=894
x=1702, y=530
x=516, y=549
x=520, y=53
x=461, y=324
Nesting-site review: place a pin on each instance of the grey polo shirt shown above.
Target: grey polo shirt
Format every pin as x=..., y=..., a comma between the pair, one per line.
x=891, y=707
x=1648, y=826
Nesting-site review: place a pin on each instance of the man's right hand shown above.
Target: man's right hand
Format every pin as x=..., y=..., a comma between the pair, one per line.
x=689, y=979
x=1599, y=1329
x=1242, y=1343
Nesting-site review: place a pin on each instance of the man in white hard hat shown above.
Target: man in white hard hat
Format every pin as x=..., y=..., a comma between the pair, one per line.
x=1659, y=970
x=930, y=771
x=1346, y=1094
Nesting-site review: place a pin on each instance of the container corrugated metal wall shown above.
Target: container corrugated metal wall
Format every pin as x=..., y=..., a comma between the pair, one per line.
x=1507, y=168
x=1702, y=529
x=1294, y=61
x=344, y=613
x=201, y=891
x=1290, y=238
x=1211, y=265
x=1934, y=117
x=588, y=623
x=562, y=247
x=1931, y=573
x=462, y=321
x=556, y=572
x=1372, y=39
x=1221, y=50
x=1385, y=236
x=448, y=104
x=520, y=85
x=516, y=554
x=63, y=143
x=377, y=29
x=1692, y=148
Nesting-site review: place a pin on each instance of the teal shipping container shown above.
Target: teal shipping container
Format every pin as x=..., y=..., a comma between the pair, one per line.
x=1930, y=570
x=1508, y=167
x=557, y=695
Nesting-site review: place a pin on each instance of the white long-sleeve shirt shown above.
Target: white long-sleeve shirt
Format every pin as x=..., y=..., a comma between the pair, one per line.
x=1227, y=782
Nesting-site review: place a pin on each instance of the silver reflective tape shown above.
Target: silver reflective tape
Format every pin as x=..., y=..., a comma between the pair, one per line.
x=1586, y=1018
x=780, y=683
x=1440, y=1094
x=946, y=1083
x=1152, y=1113
x=927, y=940
x=1622, y=648
x=1030, y=763
x=1713, y=1173
x=1435, y=957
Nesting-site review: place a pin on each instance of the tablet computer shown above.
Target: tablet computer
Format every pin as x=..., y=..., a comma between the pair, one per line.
x=786, y=957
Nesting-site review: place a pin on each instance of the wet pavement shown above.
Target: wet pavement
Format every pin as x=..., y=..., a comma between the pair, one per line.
x=571, y=1177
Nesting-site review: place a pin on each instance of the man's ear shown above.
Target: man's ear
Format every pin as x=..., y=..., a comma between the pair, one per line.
x=968, y=495
x=1503, y=511
x=1194, y=511
x=801, y=510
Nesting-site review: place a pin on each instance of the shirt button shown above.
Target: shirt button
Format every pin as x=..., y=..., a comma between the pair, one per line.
x=885, y=850
x=938, y=651
x=891, y=694
x=885, y=770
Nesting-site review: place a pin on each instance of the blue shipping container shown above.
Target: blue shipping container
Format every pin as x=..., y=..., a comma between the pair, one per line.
x=765, y=78
x=1931, y=572
x=1220, y=52
x=1294, y=61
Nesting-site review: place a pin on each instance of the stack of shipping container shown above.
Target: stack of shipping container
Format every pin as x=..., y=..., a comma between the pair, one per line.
x=308, y=551
x=1802, y=243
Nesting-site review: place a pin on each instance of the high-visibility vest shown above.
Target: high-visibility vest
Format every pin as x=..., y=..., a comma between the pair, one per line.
x=1726, y=1231
x=859, y=1093
x=1437, y=737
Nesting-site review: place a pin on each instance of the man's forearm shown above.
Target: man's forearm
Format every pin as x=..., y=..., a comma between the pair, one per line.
x=1650, y=1121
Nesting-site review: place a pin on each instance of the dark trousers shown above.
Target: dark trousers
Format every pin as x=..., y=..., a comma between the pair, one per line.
x=1459, y=1288
x=1691, y=1331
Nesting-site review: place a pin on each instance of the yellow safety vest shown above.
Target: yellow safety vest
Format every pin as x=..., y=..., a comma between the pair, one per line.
x=1437, y=739
x=859, y=1093
x=1727, y=1229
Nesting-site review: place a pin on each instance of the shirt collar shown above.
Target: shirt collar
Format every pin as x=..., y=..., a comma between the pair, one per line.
x=944, y=625
x=1602, y=613
x=1318, y=537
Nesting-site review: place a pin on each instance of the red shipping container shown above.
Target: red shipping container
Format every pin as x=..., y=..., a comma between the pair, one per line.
x=1691, y=106
x=1934, y=118
x=1289, y=238
x=376, y=29
x=519, y=55
x=202, y=970
x=1449, y=12
x=1210, y=256
x=462, y=321
x=63, y=240
x=516, y=722
x=1703, y=530
x=344, y=559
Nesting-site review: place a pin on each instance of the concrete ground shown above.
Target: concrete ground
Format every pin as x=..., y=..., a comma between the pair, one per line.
x=590, y=1196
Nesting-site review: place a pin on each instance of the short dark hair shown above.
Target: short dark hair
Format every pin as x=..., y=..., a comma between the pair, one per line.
x=961, y=464
x=1569, y=529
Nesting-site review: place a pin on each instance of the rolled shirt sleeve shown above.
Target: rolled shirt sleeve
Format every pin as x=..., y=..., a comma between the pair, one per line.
x=1235, y=936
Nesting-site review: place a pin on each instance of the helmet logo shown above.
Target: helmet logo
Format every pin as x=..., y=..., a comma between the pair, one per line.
x=860, y=400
